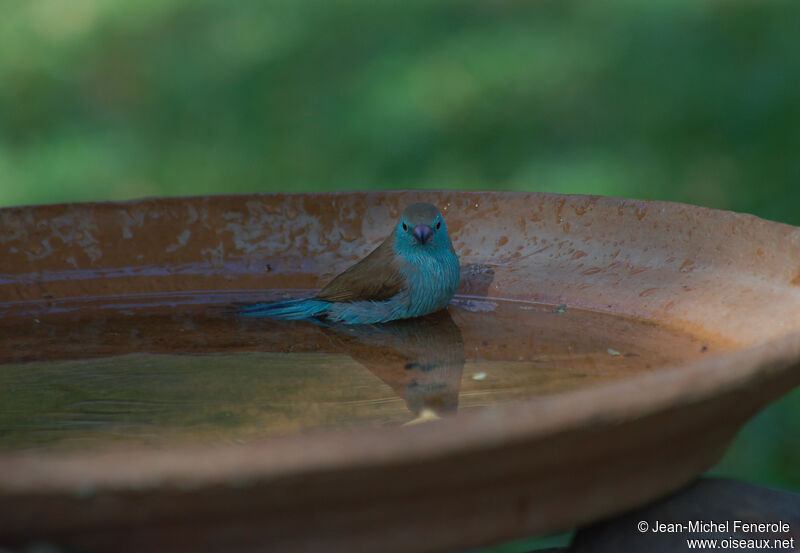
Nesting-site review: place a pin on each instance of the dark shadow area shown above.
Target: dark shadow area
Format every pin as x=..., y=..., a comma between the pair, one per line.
x=726, y=512
x=476, y=278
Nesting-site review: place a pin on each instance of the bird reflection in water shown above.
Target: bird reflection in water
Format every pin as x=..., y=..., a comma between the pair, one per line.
x=421, y=359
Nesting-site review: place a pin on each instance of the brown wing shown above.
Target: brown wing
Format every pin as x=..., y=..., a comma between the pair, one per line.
x=376, y=277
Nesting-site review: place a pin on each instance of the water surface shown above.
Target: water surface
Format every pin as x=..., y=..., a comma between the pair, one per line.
x=163, y=370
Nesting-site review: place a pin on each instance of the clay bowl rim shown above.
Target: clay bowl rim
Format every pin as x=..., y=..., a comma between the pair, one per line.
x=635, y=397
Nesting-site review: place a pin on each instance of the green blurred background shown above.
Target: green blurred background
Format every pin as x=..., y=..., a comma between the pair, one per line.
x=687, y=100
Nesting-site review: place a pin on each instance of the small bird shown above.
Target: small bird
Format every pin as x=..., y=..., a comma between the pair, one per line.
x=415, y=271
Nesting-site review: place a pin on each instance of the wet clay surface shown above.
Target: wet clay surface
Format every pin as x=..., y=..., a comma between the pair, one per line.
x=726, y=274
x=161, y=371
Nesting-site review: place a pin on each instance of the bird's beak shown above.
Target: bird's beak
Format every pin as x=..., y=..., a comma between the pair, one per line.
x=422, y=233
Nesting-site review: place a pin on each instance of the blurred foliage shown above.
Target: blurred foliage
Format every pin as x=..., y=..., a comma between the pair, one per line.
x=767, y=450
x=687, y=100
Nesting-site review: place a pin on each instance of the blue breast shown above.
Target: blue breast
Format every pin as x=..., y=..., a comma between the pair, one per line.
x=432, y=280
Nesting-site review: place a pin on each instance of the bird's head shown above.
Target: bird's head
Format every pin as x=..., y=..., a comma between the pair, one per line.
x=422, y=226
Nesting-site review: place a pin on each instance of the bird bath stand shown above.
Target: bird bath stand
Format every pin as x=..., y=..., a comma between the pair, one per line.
x=657, y=330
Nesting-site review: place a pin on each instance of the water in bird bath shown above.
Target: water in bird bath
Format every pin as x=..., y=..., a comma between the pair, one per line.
x=161, y=370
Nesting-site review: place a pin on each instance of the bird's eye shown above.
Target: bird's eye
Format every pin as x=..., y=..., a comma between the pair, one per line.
x=405, y=226
x=438, y=224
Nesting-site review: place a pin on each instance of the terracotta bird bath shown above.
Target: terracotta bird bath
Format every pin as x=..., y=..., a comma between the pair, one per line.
x=601, y=353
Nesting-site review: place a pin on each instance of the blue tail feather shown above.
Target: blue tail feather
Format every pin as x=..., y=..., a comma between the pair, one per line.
x=289, y=310
x=315, y=310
